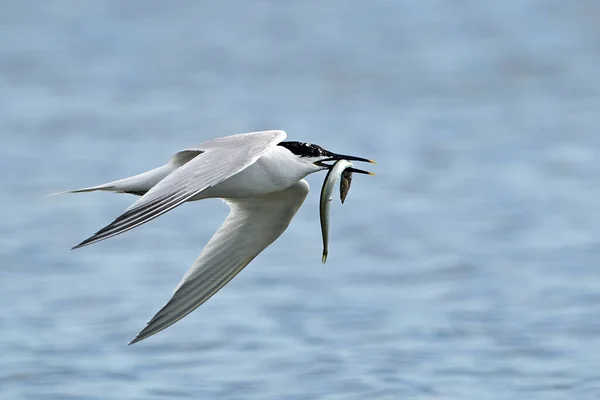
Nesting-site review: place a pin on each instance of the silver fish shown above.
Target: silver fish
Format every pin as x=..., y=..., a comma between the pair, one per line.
x=341, y=169
x=331, y=179
x=345, y=183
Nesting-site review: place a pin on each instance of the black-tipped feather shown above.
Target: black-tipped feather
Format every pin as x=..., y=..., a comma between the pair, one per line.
x=132, y=218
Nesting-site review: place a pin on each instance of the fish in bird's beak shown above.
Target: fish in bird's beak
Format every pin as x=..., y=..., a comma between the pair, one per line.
x=346, y=176
x=341, y=169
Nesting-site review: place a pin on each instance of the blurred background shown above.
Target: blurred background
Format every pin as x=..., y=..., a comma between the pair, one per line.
x=467, y=269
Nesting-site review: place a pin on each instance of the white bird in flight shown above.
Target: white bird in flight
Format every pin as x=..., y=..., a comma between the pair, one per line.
x=257, y=174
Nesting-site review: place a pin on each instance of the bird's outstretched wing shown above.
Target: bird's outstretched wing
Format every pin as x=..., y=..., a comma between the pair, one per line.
x=252, y=225
x=207, y=165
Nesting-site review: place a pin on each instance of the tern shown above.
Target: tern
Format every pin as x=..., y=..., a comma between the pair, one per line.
x=257, y=174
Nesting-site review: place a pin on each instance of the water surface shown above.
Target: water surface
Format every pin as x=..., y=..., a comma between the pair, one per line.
x=467, y=269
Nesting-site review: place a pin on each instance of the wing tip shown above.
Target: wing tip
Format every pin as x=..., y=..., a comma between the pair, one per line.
x=82, y=244
x=108, y=231
x=135, y=340
x=91, y=240
x=145, y=333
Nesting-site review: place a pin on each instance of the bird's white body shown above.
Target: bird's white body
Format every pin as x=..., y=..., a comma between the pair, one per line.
x=258, y=176
x=276, y=170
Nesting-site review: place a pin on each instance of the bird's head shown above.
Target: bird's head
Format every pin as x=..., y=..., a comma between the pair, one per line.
x=318, y=157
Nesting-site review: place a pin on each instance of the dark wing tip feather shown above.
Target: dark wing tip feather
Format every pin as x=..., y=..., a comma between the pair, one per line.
x=154, y=326
x=149, y=330
x=86, y=242
x=104, y=232
x=160, y=322
x=130, y=219
x=135, y=340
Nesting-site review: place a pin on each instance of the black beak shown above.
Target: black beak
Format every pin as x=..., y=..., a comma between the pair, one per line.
x=336, y=157
x=359, y=171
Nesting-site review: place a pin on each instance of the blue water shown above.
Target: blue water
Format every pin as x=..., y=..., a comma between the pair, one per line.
x=467, y=269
